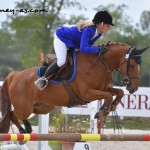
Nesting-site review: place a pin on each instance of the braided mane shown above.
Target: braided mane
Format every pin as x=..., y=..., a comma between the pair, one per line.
x=117, y=43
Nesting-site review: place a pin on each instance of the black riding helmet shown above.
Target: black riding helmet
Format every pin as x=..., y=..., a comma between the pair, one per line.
x=103, y=16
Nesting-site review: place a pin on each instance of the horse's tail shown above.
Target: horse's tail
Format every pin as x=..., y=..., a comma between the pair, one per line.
x=5, y=105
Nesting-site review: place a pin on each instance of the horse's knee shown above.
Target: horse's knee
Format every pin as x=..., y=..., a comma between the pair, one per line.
x=107, y=104
x=120, y=93
x=108, y=97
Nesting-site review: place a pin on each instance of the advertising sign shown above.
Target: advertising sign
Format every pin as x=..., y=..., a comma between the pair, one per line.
x=137, y=105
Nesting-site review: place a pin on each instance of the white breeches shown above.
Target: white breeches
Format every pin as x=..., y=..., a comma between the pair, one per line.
x=60, y=50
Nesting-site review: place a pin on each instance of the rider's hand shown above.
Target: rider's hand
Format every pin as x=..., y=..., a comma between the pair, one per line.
x=103, y=48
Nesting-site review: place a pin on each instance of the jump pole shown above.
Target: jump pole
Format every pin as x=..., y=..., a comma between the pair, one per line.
x=74, y=137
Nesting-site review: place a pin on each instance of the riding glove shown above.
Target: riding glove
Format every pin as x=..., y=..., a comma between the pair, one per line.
x=103, y=48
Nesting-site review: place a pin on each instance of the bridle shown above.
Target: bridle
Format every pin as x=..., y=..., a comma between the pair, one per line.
x=133, y=53
x=127, y=79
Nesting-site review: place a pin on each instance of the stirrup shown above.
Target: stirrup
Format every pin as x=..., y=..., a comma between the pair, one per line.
x=40, y=85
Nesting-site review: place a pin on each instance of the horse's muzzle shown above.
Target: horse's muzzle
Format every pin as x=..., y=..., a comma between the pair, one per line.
x=130, y=88
x=131, y=91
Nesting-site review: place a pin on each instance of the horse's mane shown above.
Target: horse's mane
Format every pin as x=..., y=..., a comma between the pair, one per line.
x=118, y=43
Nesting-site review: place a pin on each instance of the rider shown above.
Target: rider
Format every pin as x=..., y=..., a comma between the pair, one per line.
x=82, y=37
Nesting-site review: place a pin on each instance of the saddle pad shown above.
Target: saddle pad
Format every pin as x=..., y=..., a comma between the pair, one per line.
x=41, y=70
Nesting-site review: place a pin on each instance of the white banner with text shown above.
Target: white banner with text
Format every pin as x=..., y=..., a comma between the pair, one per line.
x=137, y=105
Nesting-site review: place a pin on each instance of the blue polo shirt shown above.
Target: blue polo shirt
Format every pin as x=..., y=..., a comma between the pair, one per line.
x=83, y=40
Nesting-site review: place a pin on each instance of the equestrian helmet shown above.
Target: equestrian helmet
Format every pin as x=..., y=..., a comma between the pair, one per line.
x=103, y=16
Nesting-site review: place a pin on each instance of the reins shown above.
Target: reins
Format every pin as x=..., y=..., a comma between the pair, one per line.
x=127, y=78
x=97, y=58
x=92, y=64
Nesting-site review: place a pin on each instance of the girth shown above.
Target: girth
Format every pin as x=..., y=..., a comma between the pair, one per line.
x=74, y=99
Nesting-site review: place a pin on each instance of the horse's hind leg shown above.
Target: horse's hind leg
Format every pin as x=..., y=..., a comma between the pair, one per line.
x=27, y=126
x=16, y=122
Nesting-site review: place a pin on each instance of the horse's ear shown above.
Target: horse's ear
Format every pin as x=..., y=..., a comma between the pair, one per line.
x=139, y=51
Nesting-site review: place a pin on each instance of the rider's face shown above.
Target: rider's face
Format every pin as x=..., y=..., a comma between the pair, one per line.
x=103, y=28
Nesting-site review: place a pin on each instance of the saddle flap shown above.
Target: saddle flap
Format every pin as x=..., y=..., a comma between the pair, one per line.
x=66, y=72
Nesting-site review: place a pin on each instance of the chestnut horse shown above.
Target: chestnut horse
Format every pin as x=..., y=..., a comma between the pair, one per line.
x=92, y=82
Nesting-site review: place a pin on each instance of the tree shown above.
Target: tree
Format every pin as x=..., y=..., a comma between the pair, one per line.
x=25, y=33
x=33, y=31
x=145, y=21
x=125, y=32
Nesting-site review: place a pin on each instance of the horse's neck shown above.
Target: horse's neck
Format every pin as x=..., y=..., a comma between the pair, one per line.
x=114, y=56
x=111, y=58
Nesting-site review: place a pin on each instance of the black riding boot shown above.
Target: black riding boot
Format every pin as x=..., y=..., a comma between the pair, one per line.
x=42, y=82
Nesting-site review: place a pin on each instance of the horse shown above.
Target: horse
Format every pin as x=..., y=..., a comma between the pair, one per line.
x=92, y=82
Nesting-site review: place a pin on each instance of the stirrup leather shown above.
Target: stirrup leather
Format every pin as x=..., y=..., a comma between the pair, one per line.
x=41, y=85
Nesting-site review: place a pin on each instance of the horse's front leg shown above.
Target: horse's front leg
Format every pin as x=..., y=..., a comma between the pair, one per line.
x=119, y=94
x=93, y=94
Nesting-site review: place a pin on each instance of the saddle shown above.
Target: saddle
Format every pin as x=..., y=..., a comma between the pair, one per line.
x=64, y=76
x=66, y=72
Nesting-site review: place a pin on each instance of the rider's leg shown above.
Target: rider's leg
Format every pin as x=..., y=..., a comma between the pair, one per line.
x=61, y=53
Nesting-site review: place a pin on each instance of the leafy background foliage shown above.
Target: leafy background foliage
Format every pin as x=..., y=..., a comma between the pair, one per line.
x=25, y=35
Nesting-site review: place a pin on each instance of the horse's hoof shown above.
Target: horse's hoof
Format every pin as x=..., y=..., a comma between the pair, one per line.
x=22, y=130
x=106, y=112
x=99, y=114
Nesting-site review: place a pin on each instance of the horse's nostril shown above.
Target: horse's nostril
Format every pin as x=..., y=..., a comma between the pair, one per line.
x=131, y=91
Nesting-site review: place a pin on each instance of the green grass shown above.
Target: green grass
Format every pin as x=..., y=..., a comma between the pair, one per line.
x=130, y=123
x=142, y=123
x=55, y=145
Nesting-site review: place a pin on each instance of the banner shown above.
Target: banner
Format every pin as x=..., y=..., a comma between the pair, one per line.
x=133, y=105
x=137, y=104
